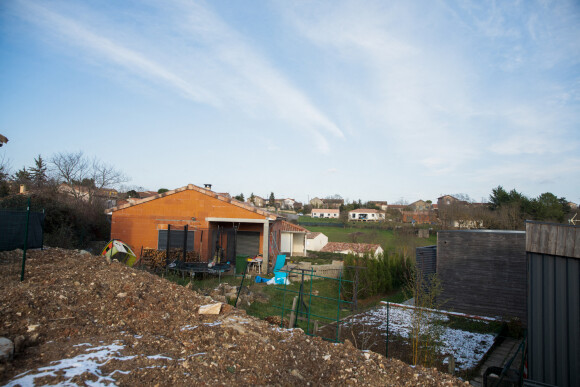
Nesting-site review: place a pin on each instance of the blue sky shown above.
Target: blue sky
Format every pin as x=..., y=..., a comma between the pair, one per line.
x=372, y=100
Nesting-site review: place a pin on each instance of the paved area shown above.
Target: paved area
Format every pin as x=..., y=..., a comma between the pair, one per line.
x=499, y=356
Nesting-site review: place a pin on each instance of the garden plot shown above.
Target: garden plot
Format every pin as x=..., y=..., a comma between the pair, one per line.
x=467, y=347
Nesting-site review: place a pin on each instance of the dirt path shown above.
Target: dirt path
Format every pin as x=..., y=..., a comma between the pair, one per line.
x=85, y=319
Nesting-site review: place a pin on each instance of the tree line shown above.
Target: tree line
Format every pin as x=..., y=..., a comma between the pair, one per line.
x=69, y=187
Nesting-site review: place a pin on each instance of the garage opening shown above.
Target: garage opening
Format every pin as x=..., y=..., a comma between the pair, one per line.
x=248, y=243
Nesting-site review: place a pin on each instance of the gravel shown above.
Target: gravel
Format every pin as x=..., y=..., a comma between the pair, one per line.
x=79, y=320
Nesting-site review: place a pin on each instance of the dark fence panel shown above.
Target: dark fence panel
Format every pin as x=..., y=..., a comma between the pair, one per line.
x=553, y=260
x=13, y=228
x=426, y=261
x=483, y=272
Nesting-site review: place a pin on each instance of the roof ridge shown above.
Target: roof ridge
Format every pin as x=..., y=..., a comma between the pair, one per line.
x=193, y=187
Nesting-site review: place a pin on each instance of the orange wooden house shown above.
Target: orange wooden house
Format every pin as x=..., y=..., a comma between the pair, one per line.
x=215, y=223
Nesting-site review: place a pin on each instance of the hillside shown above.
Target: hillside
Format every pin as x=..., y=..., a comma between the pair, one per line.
x=79, y=319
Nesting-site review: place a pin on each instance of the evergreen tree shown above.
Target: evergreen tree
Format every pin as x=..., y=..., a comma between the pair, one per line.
x=272, y=200
x=38, y=172
x=22, y=176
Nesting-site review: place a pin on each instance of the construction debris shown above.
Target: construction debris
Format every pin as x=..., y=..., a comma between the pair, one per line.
x=86, y=334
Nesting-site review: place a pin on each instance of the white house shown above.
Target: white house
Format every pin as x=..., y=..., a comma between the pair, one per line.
x=315, y=241
x=366, y=215
x=353, y=248
x=325, y=213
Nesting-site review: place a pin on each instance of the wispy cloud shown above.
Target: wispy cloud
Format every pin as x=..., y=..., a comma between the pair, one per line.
x=198, y=55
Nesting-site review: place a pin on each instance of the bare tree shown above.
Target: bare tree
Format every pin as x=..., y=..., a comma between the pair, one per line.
x=4, y=175
x=84, y=178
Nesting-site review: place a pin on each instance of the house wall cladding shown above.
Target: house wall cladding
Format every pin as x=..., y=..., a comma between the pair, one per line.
x=553, y=258
x=483, y=272
x=426, y=259
x=138, y=225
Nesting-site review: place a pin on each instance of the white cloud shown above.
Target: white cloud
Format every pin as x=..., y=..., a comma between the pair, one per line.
x=198, y=55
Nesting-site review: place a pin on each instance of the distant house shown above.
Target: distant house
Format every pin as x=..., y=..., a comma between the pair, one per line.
x=366, y=215
x=420, y=205
x=257, y=201
x=353, y=248
x=419, y=217
x=316, y=203
x=383, y=205
x=315, y=241
x=107, y=195
x=398, y=207
x=332, y=203
x=325, y=213
x=288, y=203
x=447, y=200
x=573, y=206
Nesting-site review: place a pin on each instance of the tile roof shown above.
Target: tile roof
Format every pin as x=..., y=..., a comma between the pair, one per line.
x=334, y=247
x=291, y=227
x=204, y=191
x=366, y=210
x=312, y=235
x=325, y=210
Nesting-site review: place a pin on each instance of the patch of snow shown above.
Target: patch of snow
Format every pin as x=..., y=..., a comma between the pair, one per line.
x=467, y=347
x=213, y=324
x=189, y=327
x=69, y=368
x=156, y=357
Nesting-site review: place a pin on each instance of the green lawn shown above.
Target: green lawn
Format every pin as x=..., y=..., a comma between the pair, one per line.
x=385, y=238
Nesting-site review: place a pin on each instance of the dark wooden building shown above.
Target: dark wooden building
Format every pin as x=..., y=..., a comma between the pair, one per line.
x=483, y=272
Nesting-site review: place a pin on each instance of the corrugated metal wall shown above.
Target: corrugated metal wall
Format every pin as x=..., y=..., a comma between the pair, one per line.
x=553, y=303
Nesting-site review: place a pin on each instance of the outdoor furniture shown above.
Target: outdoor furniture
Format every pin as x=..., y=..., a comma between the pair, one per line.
x=255, y=264
x=279, y=275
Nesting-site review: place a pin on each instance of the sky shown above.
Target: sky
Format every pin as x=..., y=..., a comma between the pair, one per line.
x=371, y=100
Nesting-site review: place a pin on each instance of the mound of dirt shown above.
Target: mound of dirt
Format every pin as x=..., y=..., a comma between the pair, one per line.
x=78, y=319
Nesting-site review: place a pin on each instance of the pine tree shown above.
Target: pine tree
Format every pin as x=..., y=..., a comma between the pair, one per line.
x=38, y=172
x=272, y=200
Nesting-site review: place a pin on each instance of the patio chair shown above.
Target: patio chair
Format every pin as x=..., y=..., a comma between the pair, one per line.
x=279, y=275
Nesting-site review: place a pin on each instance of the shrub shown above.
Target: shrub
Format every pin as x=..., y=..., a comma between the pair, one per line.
x=377, y=275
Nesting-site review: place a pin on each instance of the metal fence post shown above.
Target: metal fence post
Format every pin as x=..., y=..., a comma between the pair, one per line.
x=25, y=240
x=387, y=341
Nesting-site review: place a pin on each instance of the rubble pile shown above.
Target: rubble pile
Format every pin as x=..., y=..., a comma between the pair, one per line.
x=77, y=320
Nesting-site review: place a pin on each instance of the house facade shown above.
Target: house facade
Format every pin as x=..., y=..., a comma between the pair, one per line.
x=359, y=249
x=325, y=213
x=332, y=203
x=383, y=205
x=203, y=220
x=366, y=215
x=315, y=241
x=316, y=203
x=420, y=205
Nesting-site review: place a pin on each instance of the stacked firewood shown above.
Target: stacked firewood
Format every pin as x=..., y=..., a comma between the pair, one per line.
x=156, y=258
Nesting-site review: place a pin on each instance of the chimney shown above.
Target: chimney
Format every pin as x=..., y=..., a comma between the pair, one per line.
x=22, y=189
x=207, y=186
